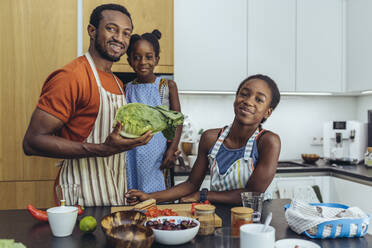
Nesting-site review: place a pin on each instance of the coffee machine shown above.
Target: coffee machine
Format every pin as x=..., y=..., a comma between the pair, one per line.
x=344, y=142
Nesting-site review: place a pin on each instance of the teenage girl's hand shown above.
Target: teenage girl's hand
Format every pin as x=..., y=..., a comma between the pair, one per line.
x=193, y=197
x=170, y=158
x=115, y=143
x=135, y=196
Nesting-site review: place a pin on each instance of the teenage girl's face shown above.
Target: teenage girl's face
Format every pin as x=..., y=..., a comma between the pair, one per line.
x=252, y=102
x=143, y=59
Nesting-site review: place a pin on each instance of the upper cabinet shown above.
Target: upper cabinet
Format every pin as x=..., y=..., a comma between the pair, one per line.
x=319, y=56
x=210, y=44
x=298, y=43
x=271, y=41
x=359, y=49
x=147, y=16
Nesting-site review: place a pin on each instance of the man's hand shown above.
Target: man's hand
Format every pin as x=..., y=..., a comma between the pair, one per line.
x=135, y=196
x=193, y=197
x=115, y=143
x=169, y=159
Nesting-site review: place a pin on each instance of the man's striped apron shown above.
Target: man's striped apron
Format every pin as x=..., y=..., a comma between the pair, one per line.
x=237, y=175
x=102, y=180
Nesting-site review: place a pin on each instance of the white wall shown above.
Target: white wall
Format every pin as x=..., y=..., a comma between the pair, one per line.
x=296, y=119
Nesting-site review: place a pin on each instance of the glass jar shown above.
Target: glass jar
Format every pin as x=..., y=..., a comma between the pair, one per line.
x=240, y=216
x=205, y=215
x=368, y=157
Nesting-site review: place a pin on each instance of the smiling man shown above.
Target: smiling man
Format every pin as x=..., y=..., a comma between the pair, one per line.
x=73, y=119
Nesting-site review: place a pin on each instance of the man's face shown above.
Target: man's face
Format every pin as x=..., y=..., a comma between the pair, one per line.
x=112, y=35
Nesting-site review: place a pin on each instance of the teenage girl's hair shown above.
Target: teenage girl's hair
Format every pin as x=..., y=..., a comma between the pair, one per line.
x=96, y=15
x=275, y=94
x=152, y=38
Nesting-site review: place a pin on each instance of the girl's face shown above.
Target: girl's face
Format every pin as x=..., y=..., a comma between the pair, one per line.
x=252, y=103
x=142, y=59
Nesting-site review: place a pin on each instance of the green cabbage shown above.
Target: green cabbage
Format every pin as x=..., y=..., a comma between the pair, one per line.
x=138, y=118
x=9, y=243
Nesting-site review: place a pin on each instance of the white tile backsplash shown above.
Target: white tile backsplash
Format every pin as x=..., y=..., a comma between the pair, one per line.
x=297, y=119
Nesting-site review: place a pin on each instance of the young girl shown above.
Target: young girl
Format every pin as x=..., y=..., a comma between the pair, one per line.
x=240, y=157
x=145, y=164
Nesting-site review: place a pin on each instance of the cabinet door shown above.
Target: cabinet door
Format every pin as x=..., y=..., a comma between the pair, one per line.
x=319, y=45
x=359, y=40
x=146, y=16
x=352, y=194
x=271, y=40
x=36, y=40
x=210, y=44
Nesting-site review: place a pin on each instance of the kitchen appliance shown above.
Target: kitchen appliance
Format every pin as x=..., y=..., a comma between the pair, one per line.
x=344, y=142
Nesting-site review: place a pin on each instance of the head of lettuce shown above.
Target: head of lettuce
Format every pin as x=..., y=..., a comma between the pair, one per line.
x=138, y=118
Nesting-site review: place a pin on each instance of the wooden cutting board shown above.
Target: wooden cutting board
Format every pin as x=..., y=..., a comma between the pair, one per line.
x=180, y=209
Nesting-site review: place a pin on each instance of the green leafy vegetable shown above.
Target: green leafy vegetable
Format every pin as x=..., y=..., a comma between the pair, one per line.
x=138, y=118
x=9, y=243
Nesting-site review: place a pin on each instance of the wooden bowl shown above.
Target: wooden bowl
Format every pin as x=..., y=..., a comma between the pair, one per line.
x=310, y=158
x=130, y=235
x=122, y=218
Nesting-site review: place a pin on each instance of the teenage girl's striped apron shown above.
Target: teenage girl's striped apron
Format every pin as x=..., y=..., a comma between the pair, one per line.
x=238, y=173
x=102, y=180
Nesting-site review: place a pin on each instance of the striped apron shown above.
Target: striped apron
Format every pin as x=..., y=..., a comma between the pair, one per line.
x=237, y=175
x=102, y=180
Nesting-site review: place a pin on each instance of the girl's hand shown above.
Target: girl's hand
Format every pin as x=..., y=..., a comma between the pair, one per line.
x=170, y=158
x=193, y=197
x=135, y=196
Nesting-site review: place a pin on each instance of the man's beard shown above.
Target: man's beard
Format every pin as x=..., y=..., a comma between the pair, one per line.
x=104, y=53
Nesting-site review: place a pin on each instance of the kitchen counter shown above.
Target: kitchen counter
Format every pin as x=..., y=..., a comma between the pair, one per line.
x=358, y=172
x=19, y=225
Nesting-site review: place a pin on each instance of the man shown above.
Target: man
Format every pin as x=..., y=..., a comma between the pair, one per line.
x=73, y=119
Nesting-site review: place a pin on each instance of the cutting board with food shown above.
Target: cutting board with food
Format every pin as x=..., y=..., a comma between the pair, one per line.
x=153, y=210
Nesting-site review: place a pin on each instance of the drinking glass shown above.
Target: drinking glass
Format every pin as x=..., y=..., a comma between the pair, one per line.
x=68, y=194
x=253, y=200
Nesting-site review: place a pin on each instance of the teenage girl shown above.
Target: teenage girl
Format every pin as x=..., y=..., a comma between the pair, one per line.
x=145, y=164
x=240, y=157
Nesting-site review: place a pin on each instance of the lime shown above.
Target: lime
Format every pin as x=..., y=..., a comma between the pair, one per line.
x=88, y=224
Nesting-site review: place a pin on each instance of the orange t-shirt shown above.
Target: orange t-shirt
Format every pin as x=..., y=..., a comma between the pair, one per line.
x=71, y=94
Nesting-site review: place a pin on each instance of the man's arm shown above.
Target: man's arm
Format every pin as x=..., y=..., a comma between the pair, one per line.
x=40, y=139
x=192, y=184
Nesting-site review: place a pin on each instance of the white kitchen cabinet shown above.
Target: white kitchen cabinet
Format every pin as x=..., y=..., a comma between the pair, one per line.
x=298, y=43
x=206, y=183
x=289, y=183
x=358, y=43
x=320, y=39
x=272, y=42
x=210, y=44
x=351, y=194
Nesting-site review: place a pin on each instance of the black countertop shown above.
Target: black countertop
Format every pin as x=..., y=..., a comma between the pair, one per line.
x=19, y=225
x=360, y=171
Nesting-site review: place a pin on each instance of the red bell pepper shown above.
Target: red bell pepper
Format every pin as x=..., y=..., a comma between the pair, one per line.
x=37, y=213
